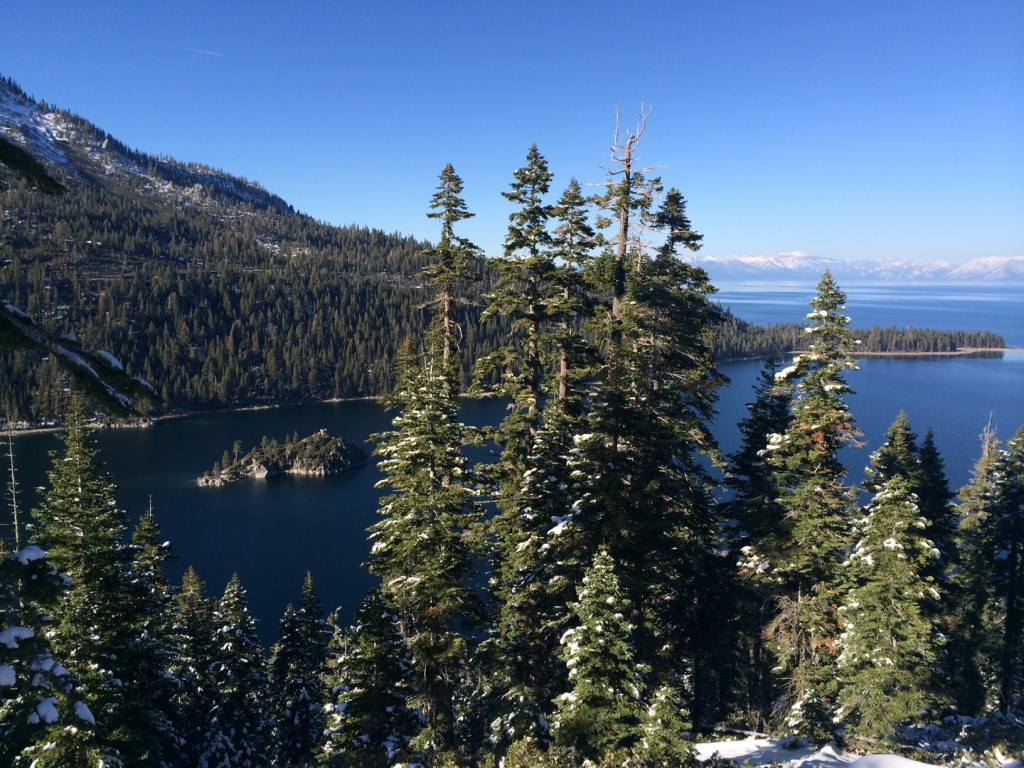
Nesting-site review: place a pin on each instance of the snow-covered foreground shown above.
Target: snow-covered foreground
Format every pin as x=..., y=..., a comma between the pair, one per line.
x=764, y=751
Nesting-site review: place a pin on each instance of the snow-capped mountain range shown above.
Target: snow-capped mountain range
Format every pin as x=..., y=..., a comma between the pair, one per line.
x=803, y=267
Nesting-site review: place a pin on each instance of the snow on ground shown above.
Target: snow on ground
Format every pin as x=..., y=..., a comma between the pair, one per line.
x=764, y=751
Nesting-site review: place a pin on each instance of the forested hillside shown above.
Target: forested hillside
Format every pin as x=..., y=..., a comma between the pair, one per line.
x=204, y=284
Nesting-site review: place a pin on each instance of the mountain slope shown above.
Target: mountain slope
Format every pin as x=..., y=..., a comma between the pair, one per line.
x=204, y=284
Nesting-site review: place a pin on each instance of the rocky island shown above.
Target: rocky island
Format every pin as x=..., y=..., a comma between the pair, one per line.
x=318, y=454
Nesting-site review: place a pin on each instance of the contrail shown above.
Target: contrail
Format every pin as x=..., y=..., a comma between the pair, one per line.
x=203, y=52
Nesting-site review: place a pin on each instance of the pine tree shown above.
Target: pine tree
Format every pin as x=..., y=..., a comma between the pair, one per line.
x=238, y=728
x=100, y=628
x=890, y=641
x=523, y=292
x=601, y=711
x=297, y=668
x=572, y=245
x=193, y=638
x=992, y=626
x=898, y=456
x=43, y=717
x=370, y=723
x=646, y=491
x=1009, y=525
x=533, y=581
x=422, y=549
x=803, y=556
x=538, y=567
x=755, y=513
x=934, y=498
x=151, y=692
x=974, y=641
x=452, y=263
x=662, y=741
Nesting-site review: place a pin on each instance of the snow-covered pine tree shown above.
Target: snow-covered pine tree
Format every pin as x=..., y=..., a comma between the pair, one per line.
x=645, y=490
x=538, y=568
x=663, y=731
x=752, y=513
x=805, y=553
x=43, y=718
x=974, y=640
x=298, y=689
x=601, y=711
x=536, y=564
x=153, y=651
x=192, y=632
x=991, y=576
x=370, y=723
x=890, y=641
x=239, y=727
x=99, y=629
x=1009, y=531
x=900, y=456
x=423, y=548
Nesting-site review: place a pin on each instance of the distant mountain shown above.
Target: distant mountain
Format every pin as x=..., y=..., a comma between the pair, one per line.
x=799, y=267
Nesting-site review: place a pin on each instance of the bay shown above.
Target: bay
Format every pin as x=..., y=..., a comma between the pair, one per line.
x=272, y=531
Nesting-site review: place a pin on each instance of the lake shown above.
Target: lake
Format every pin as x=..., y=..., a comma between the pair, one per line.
x=272, y=531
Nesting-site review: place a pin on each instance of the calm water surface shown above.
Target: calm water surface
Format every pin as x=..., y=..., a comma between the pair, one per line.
x=272, y=531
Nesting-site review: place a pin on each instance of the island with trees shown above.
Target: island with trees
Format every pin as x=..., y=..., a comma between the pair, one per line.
x=319, y=454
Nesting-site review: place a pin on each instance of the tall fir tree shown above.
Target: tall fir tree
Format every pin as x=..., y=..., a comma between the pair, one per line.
x=991, y=624
x=531, y=582
x=921, y=466
x=753, y=512
x=370, y=723
x=153, y=650
x=192, y=632
x=1009, y=524
x=802, y=557
x=646, y=491
x=974, y=640
x=891, y=640
x=601, y=711
x=297, y=668
x=538, y=567
x=423, y=549
x=523, y=292
x=572, y=308
x=239, y=727
x=100, y=629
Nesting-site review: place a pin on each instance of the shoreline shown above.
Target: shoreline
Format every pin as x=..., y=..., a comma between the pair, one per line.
x=148, y=421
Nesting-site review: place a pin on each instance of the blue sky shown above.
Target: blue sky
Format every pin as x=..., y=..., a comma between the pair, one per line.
x=853, y=130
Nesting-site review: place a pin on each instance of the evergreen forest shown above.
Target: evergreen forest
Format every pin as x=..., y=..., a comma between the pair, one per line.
x=590, y=597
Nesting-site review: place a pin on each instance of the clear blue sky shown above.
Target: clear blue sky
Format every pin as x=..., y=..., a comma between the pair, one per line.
x=869, y=129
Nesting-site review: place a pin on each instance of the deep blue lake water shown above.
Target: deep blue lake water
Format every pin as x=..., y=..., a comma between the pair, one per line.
x=271, y=532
